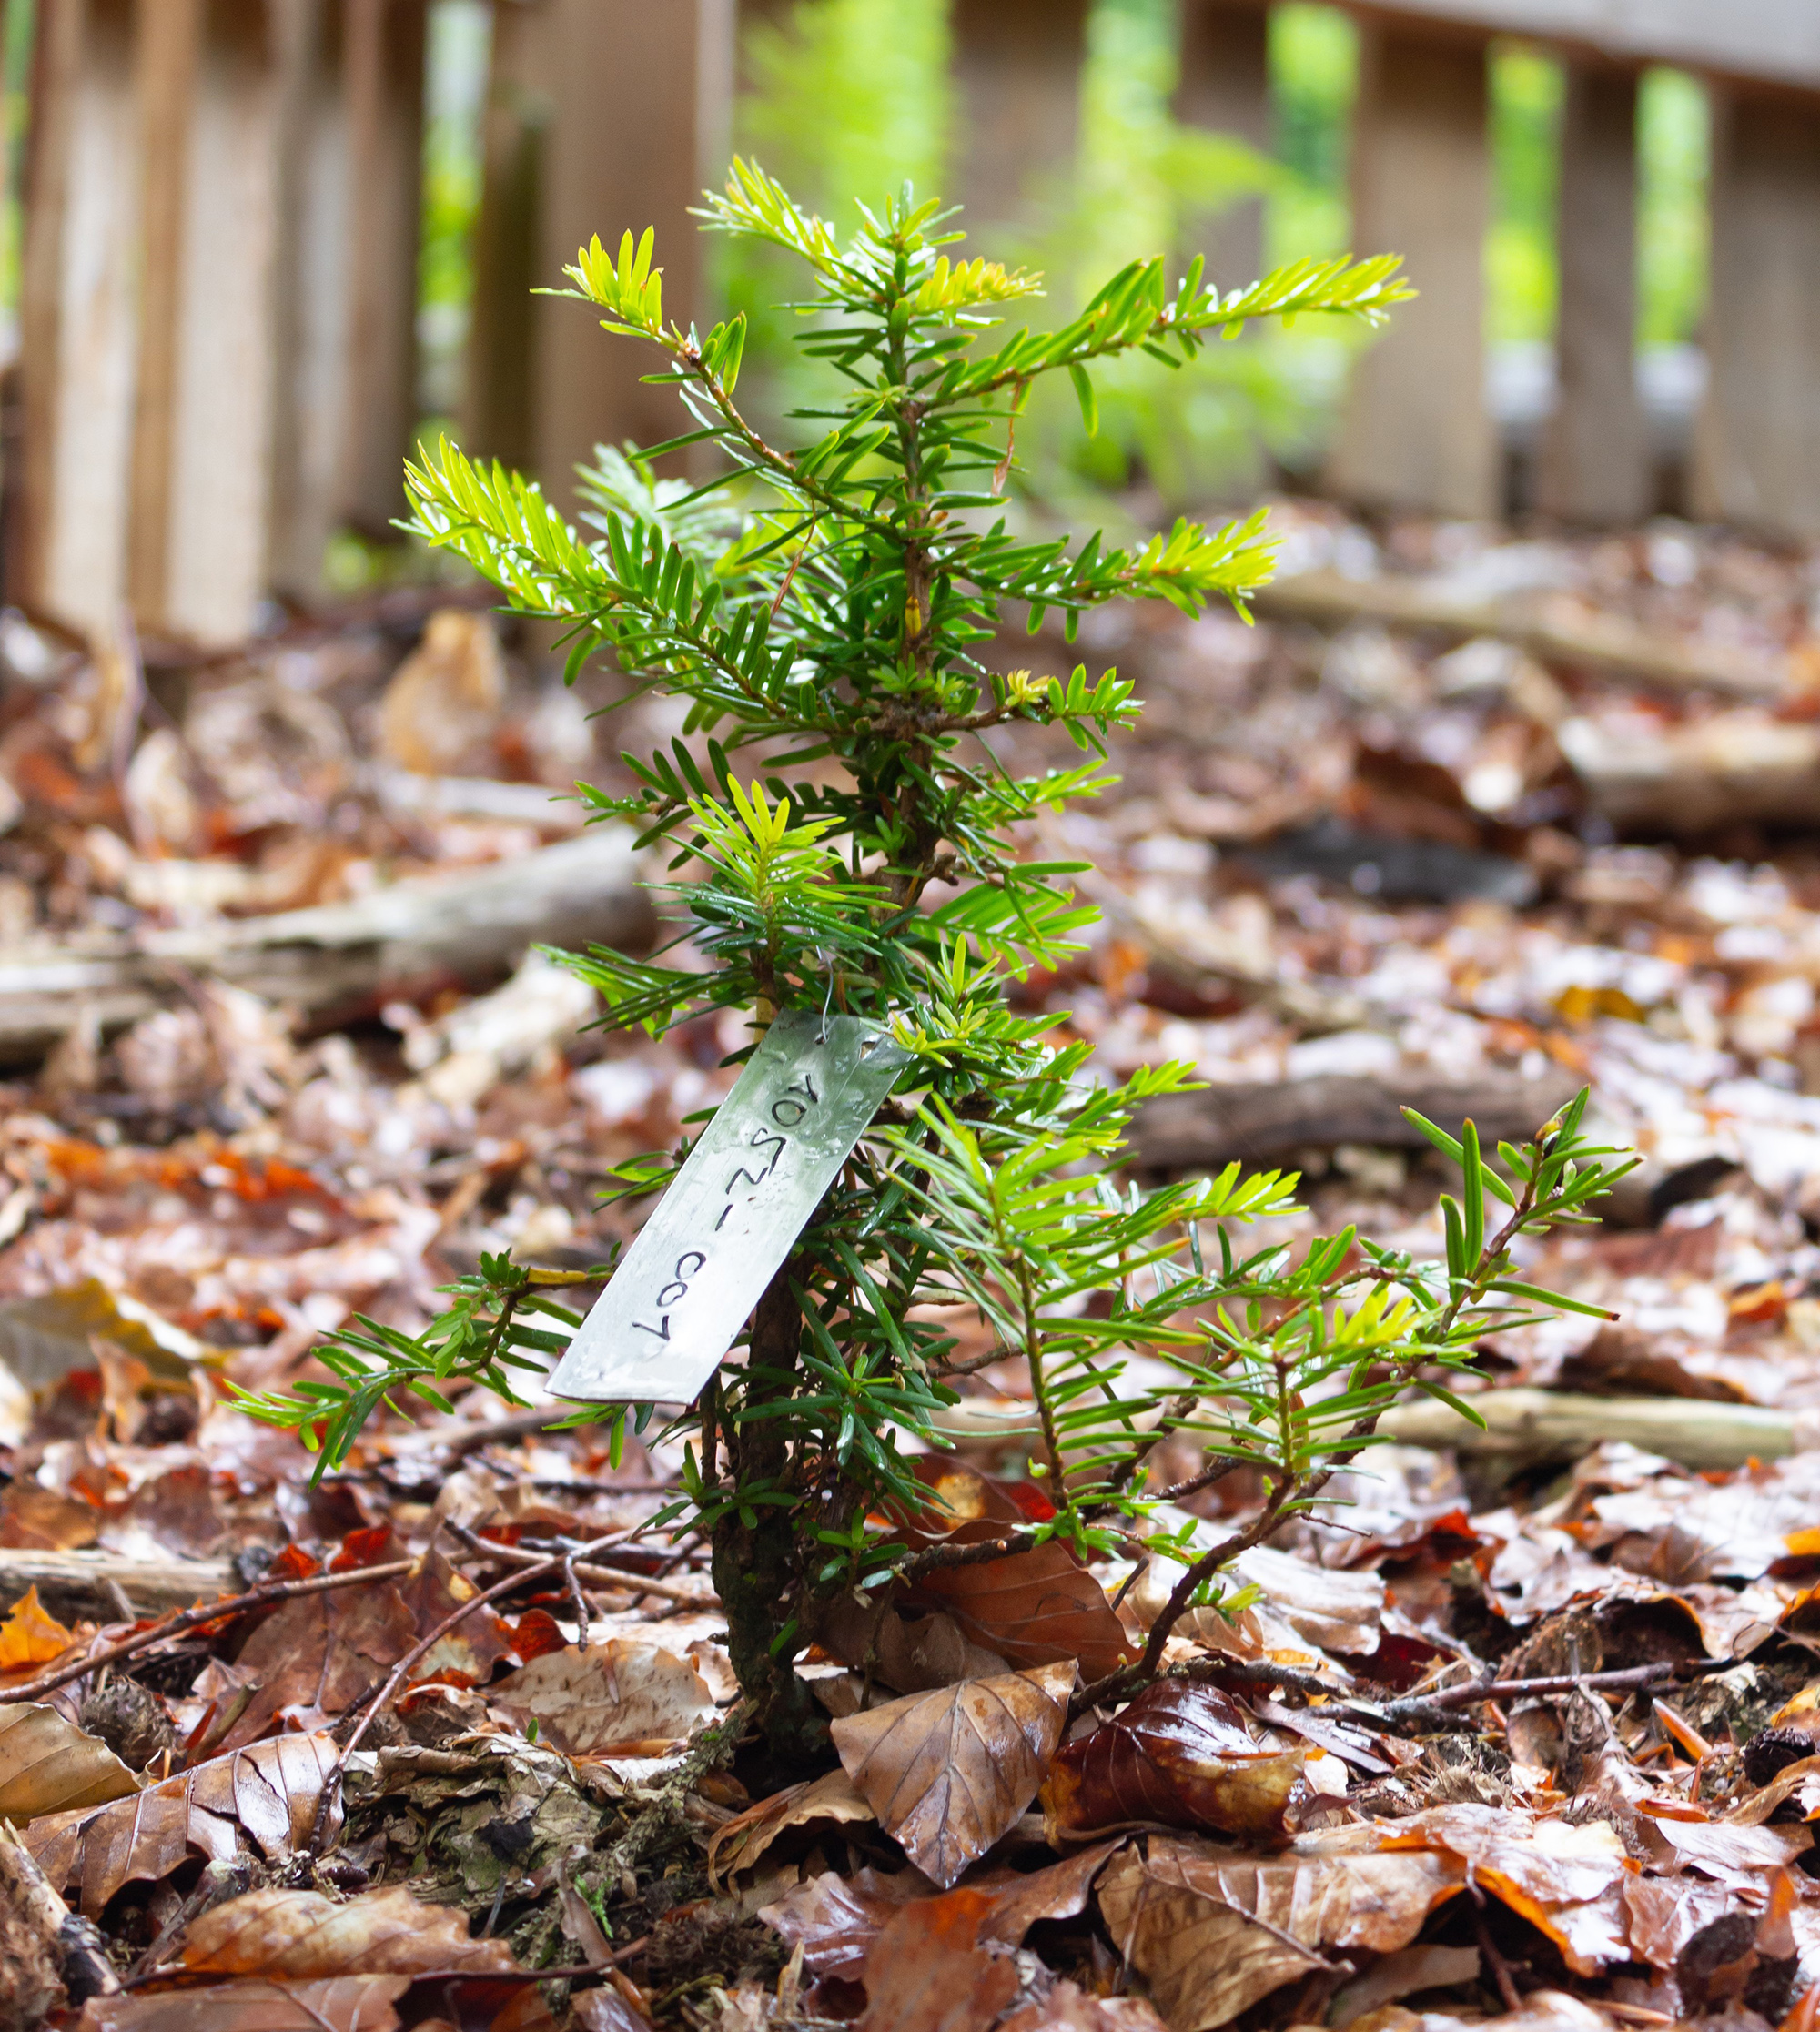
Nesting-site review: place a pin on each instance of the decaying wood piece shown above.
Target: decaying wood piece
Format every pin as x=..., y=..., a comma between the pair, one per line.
x=83, y=1584
x=337, y=958
x=1267, y=1124
x=1695, y=1431
x=1548, y=626
x=1684, y=779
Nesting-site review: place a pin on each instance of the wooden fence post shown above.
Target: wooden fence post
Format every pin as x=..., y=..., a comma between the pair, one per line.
x=1757, y=439
x=78, y=323
x=202, y=457
x=603, y=115
x=1225, y=85
x=1017, y=73
x=349, y=213
x=1416, y=433
x=1595, y=464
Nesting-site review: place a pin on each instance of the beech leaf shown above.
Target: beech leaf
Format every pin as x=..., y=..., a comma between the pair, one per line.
x=830, y=1799
x=267, y=1792
x=948, y=1773
x=1180, y=1755
x=304, y=1936
x=48, y=1765
x=614, y=1699
x=347, y=2004
x=1212, y=1931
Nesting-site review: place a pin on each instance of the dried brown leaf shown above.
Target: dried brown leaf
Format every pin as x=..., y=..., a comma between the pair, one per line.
x=1036, y=1608
x=835, y=1919
x=267, y=1792
x=347, y=2004
x=1213, y=1930
x=303, y=1937
x=617, y=1698
x=48, y=1765
x=827, y=1800
x=1180, y=1755
x=950, y=1771
x=1069, y=2008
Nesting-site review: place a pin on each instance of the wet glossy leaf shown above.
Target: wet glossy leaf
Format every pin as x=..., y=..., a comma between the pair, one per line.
x=1180, y=1755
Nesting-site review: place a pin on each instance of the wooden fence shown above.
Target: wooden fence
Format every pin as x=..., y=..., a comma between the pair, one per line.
x=222, y=205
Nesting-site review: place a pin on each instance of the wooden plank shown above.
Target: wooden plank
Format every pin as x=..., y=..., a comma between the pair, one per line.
x=350, y=202
x=1595, y=452
x=384, y=53
x=1225, y=86
x=545, y=384
x=1017, y=73
x=1776, y=40
x=78, y=330
x=1757, y=439
x=201, y=502
x=313, y=313
x=1416, y=433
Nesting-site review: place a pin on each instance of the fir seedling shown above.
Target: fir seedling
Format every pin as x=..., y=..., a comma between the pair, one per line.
x=843, y=835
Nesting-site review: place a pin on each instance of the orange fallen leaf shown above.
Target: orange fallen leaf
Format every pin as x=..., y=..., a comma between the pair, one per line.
x=31, y=1635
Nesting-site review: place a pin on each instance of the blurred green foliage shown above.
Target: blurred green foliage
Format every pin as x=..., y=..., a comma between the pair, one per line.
x=1522, y=277
x=845, y=96
x=1673, y=137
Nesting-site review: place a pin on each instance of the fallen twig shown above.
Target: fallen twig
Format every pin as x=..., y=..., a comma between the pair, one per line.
x=1469, y=1693
x=174, y=1626
x=596, y=1570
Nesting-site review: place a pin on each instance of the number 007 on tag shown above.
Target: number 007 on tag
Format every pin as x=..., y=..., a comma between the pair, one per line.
x=731, y=1215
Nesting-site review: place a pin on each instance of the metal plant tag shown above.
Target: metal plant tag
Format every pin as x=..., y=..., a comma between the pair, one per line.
x=730, y=1216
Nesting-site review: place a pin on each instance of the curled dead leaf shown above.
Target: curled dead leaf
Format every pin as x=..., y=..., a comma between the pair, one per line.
x=948, y=1773
x=302, y=1935
x=48, y=1765
x=617, y=1698
x=268, y=1791
x=1180, y=1755
x=347, y=2004
x=830, y=1799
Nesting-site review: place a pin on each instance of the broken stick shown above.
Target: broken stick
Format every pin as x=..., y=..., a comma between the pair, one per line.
x=1695, y=1431
x=339, y=958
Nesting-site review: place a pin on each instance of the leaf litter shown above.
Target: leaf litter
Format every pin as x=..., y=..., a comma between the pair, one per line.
x=1343, y=862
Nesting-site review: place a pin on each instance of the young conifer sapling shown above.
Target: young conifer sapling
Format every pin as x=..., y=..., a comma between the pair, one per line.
x=843, y=835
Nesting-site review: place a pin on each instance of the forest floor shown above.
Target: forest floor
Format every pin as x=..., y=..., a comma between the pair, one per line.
x=1520, y=1728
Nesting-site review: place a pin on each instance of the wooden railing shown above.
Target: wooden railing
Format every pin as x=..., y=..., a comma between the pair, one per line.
x=222, y=205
